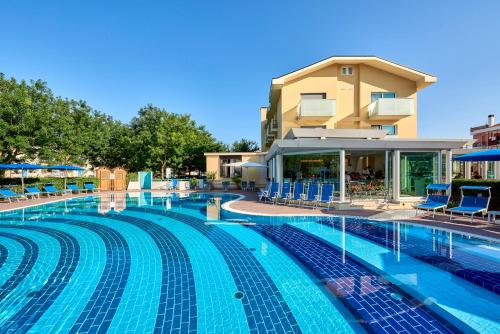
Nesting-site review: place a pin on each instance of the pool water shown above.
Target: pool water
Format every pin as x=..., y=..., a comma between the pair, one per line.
x=152, y=262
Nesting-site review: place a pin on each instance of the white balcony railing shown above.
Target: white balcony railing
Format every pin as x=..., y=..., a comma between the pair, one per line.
x=317, y=108
x=391, y=108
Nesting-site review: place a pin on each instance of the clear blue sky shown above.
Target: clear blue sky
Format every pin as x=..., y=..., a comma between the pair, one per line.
x=215, y=59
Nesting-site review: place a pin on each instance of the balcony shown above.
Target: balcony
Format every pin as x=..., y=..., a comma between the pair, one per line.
x=317, y=108
x=391, y=108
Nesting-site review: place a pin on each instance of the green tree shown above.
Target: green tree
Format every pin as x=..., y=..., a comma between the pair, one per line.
x=245, y=145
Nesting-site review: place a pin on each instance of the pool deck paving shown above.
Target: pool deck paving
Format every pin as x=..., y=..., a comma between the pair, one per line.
x=249, y=204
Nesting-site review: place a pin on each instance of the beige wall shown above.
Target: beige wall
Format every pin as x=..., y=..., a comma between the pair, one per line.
x=259, y=175
x=352, y=95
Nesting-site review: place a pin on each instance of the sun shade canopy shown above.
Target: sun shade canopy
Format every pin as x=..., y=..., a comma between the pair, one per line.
x=487, y=155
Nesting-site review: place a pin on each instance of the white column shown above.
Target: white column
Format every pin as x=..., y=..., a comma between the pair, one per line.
x=395, y=175
x=485, y=169
x=440, y=167
x=342, y=175
x=449, y=166
x=497, y=170
x=279, y=168
x=386, y=179
x=467, y=170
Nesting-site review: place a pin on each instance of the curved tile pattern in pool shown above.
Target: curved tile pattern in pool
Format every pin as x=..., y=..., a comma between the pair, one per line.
x=99, y=312
x=253, y=276
x=29, y=258
x=4, y=252
x=176, y=313
x=25, y=318
x=261, y=296
x=360, y=289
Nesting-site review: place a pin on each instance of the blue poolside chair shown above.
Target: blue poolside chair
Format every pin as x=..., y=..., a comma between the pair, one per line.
x=297, y=193
x=470, y=205
x=51, y=189
x=283, y=194
x=33, y=191
x=73, y=187
x=90, y=187
x=326, y=196
x=271, y=192
x=244, y=185
x=438, y=196
x=312, y=194
x=9, y=195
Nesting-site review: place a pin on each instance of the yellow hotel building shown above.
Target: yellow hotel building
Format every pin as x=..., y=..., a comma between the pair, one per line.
x=350, y=121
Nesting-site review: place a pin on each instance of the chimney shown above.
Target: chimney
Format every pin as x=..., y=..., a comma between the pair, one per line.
x=491, y=120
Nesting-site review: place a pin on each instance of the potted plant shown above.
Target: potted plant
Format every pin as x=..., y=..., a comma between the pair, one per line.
x=237, y=180
x=210, y=179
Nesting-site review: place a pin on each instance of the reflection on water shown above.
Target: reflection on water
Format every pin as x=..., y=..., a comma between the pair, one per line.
x=111, y=201
x=213, y=209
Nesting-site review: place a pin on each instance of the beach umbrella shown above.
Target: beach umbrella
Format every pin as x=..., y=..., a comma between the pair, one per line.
x=486, y=155
x=21, y=167
x=65, y=169
x=246, y=165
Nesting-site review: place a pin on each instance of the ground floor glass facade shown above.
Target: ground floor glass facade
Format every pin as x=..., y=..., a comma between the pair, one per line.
x=417, y=170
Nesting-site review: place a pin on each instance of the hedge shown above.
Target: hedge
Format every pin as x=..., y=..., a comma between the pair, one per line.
x=15, y=183
x=495, y=191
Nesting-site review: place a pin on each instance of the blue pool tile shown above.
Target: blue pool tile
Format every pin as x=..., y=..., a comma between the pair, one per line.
x=356, y=286
x=27, y=316
x=248, y=274
x=480, y=271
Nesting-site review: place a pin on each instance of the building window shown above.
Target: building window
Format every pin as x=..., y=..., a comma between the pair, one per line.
x=346, y=70
x=313, y=96
x=317, y=167
x=385, y=95
x=391, y=130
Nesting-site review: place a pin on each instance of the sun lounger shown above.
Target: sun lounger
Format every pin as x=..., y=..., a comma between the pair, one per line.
x=51, y=189
x=297, y=193
x=267, y=195
x=312, y=194
x=438, y=196
x=326, y=196
x=73, y=187
x=264, y=192
x=283, y=193
x=8, y=194
x=33, y=191
x=90, y=187
x=471, y=205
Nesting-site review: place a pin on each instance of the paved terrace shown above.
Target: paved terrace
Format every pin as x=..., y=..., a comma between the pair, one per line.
x=250, y=205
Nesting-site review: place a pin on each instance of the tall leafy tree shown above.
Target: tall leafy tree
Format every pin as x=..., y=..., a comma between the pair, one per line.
x=245, y=145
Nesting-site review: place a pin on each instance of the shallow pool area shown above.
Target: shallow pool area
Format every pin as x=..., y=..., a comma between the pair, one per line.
x=178, y=263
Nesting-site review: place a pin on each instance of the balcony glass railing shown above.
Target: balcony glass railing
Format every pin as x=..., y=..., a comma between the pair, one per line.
x=391, y=108
x=317, y=108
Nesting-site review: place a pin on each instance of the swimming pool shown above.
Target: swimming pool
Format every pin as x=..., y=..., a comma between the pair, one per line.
x=142, y=262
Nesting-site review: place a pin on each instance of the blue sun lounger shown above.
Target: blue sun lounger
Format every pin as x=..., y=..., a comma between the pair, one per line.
x=312, y=194
x=90, y=187
x=10, y=195
x=264, y=192
x=326, y=196
x=471, y=205
x=297, y=193
x=52, y=190
x=73, y=187
x=283, y=193
x=33, y=191
x=438, y=196
x=273, y=190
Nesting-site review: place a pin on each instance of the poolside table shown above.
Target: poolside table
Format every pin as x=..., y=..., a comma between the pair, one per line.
x=492, y=216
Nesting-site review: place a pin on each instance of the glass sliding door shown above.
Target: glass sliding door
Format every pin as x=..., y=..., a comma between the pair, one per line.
x=417, y=170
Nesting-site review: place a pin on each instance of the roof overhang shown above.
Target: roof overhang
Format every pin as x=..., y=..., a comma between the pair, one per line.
x=318, y=145
x=421, y=79
x=296, y=133
x=233, y=153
